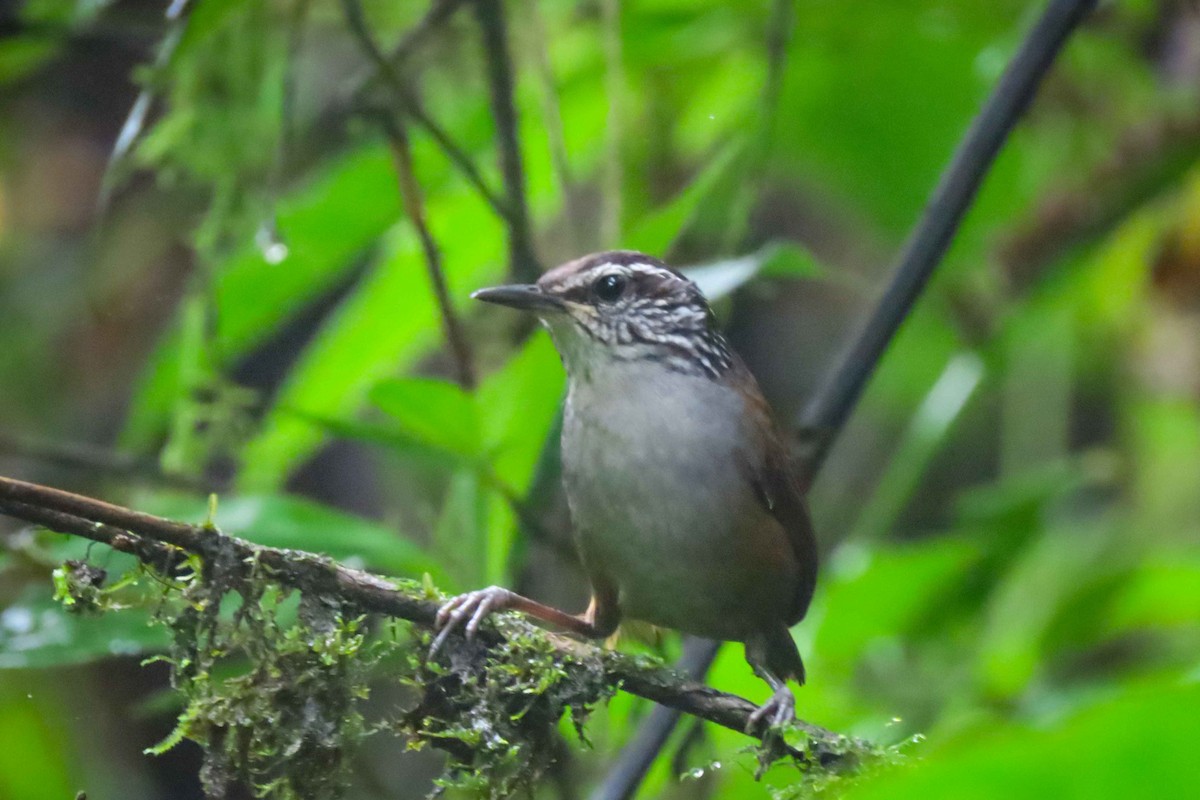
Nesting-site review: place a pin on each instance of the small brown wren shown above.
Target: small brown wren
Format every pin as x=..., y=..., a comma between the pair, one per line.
x=685, y=508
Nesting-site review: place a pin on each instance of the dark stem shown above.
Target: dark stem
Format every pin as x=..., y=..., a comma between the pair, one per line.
x=297, y=24
x=410, y=193
x=440, y=12
x=829, y=409
x=827, y=412
x=523, y=262
x=390, y=64
x=613, y=177
x=330, y=128
x=758, y=150
x=412, y=106
x=630, y=768
x=552, y=118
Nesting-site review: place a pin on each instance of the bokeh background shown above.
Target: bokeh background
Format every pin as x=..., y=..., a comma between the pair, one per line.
x=208, y=283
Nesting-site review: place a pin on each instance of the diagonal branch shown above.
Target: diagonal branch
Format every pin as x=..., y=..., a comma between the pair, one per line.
x=410, y=193
x=438, y=14
x=154, y=540
x=829, y=409
x=523, y=262
x=412, y=106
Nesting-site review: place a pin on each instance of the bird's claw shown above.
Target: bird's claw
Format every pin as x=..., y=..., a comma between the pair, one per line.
x=779, y=710
x=473, y=607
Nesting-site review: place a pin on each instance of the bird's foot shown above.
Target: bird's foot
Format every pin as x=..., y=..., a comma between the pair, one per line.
x=780, y=709
x=473, y=607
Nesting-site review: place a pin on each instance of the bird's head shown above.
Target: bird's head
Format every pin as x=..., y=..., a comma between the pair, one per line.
x=622, y=306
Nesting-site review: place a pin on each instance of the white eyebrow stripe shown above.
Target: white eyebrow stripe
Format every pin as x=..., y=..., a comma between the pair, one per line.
x=586, y=277
x=611, y=268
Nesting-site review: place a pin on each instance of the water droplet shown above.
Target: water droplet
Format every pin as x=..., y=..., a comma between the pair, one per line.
x=990, y=63
x=269, y=244
x=275, y=253
x=17, y=619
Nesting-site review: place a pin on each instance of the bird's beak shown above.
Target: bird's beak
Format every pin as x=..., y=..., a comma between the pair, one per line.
x=526, y=296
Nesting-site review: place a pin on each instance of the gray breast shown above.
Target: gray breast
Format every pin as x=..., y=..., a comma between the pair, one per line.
x=663, y=508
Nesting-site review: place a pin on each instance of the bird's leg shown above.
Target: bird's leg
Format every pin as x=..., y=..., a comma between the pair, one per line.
x=773, y=656
x=598, y=622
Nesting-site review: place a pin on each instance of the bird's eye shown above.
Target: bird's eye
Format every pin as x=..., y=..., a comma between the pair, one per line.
x=609, y=287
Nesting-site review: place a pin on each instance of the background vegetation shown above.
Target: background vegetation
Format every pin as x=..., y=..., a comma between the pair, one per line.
x=222, y=290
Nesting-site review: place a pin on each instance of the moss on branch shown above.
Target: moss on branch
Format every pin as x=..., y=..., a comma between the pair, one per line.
x=275, y=651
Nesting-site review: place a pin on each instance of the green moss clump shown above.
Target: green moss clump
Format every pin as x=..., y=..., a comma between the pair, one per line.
x=496, y=710
x=825, y=764
x=79, y=586
x=274, y=678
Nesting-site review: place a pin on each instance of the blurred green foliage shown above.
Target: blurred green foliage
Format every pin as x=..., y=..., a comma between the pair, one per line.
x=1012, y=519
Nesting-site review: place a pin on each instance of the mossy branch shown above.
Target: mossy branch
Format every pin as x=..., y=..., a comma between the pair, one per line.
x=161, y=543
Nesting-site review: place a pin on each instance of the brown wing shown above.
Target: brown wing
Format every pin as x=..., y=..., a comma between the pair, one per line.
x=769, y=469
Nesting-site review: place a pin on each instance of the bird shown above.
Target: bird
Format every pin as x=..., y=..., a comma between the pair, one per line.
x=685, y=508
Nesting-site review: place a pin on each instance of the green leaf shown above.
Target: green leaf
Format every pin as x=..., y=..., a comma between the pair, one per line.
x=777, y=260
x=396, y=440
x=40, y=759
x=20, y=57
x=660, y=227
x=36, y=632
x=1164, y=593
x=462, y=532
x=324, y=224
x=925, y=435
x=386, y=323
x=203, y=20
x=1048, y=575
x=436, y=412
x=518, y=405
x=1140, y=743
x=910, y=576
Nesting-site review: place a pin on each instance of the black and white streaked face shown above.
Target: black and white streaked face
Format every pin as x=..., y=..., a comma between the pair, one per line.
x=623, y=306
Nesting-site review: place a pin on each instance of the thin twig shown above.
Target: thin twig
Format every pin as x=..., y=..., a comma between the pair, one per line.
x=148, y=537
x=614, y=89
x=439, y=13
x=523, y=261
x=828, y=411
x=631, y=766
x=330, y=125
x=410, y=193
x=754, y=169
x=552, y=120
x=268, y=233
x=91, y=458
x=412, y=106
